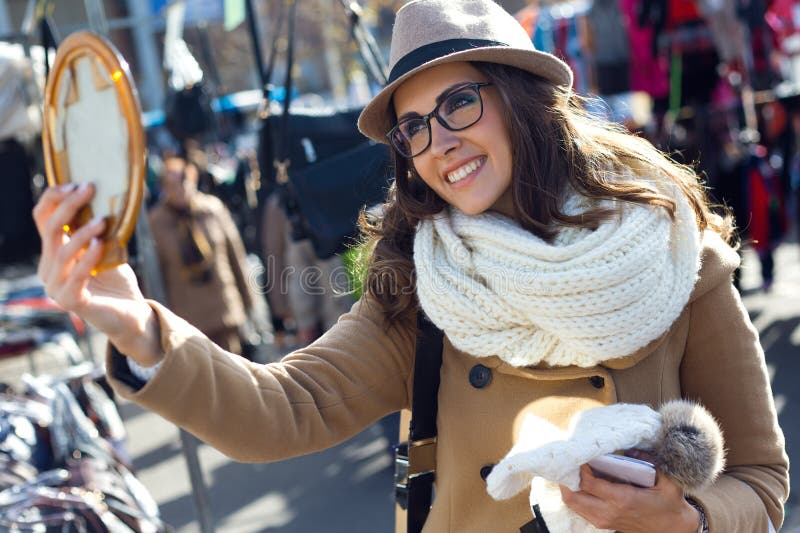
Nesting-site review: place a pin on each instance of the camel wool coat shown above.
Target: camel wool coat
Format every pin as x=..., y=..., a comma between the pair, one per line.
x=360, y=371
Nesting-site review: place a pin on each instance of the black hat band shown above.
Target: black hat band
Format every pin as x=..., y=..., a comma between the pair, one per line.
x=432, y=51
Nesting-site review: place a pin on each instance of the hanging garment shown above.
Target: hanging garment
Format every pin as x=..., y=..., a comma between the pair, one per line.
x=767, y=221
x=608, y=28
x=648, y=72
x=561, y=35
x=568, y=46
x=611, y=47
x=751, y=12
x=783, y=18
x=763, y=76
x=528, y=18
x=699, y=76
x=674, y=23
x=726, y=29
x=680, y=12
x=653, y=14
x=612, y=78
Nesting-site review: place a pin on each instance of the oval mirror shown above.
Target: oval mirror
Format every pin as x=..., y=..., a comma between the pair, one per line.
x=92, y=132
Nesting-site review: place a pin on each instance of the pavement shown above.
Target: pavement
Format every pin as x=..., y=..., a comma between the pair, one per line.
x=348, y=488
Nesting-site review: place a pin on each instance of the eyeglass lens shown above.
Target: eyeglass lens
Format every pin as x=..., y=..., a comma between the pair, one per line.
x=458, y=111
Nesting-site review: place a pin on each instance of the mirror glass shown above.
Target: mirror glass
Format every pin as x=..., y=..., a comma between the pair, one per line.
x=93, y=133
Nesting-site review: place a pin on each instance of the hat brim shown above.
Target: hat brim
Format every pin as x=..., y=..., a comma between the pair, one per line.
x=375, y=120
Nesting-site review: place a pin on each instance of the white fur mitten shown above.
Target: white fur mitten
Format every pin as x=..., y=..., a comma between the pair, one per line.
x=682, y=436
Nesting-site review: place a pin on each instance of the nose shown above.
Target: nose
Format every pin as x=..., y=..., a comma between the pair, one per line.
x=442, y=139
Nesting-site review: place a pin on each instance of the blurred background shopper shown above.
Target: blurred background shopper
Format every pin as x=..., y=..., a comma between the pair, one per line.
x=201, y=255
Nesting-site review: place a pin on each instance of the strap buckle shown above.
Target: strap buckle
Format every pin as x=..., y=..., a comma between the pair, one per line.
x=282, y=176
x=263, y=110
x=421, y=456
x=412, y=459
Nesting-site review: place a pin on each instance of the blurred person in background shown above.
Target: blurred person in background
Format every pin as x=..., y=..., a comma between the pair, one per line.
x=201, y=255
x=273, y=246
x=302, y=290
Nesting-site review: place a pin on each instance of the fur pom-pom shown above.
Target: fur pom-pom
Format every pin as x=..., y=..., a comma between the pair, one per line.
x=690, y=448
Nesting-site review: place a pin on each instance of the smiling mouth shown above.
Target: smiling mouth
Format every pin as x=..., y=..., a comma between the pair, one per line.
x=465, y=170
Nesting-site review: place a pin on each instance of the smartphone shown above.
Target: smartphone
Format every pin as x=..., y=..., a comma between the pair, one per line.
x=623, y=469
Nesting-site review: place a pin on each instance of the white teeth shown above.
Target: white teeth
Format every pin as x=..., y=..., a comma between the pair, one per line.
x=462, y=172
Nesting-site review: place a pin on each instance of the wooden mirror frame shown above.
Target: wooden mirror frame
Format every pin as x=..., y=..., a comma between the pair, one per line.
x=121, y=223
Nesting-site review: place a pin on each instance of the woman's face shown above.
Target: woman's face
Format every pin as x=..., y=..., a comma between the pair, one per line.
x=470, y=169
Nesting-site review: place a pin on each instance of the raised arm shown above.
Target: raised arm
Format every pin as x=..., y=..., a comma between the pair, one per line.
x=312, y=399
x=110, y=300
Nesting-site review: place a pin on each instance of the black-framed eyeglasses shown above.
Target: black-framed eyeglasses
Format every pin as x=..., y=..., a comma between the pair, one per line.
x=458, y=110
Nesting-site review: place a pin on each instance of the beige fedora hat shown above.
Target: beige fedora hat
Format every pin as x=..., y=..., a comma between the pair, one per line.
x=432, y=32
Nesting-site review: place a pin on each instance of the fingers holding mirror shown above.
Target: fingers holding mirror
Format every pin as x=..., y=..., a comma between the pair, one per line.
x=61, y=251
x=93, y=134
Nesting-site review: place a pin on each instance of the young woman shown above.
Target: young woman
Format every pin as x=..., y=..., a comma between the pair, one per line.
x=569, y=264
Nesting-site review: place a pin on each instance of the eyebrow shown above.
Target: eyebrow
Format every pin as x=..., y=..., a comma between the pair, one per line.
x=444, y=94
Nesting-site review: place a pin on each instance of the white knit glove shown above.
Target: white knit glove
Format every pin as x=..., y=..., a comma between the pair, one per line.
x=546, y=456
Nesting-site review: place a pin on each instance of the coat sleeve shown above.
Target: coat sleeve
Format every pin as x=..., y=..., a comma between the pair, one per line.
x=724, y=369
x=312, y=399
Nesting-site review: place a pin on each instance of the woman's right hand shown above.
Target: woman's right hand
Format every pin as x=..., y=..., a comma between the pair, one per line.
x=110, y=300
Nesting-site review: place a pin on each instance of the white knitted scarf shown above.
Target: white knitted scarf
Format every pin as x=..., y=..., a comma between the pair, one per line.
x=590, y=296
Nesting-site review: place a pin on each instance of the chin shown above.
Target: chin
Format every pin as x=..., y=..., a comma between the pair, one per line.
x=472, y=210
x=475, y=207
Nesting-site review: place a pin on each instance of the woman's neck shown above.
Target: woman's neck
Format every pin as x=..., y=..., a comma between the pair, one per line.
x=505, y=205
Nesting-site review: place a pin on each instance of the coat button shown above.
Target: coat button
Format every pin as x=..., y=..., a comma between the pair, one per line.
x=480, y=376
x=486, y=470
x=597, y=382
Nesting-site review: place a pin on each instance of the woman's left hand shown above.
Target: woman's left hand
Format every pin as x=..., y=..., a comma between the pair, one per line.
x=628, y=509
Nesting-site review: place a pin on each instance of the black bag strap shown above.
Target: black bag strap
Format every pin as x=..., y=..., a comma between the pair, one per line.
x=427, y=363
x=422, y=431
x=273, y=51
x=264, y=71
x=367, y=47
x=370, y=55
x=50, y=40
x=281, y=161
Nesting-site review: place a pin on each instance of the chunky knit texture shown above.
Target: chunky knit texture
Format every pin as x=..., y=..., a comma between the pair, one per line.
x=590, y=296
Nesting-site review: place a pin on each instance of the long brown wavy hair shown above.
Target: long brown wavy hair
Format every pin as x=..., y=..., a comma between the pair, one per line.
x=556, y=145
